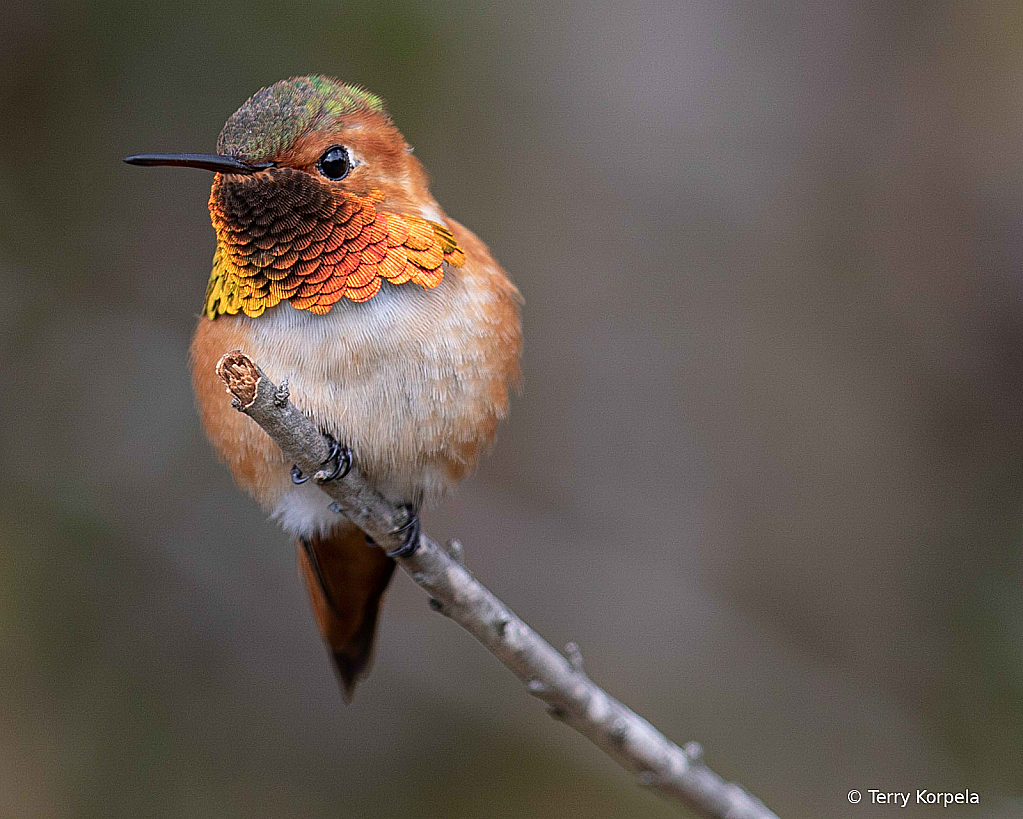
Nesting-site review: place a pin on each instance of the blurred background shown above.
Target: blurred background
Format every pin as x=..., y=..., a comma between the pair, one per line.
x=766, y=470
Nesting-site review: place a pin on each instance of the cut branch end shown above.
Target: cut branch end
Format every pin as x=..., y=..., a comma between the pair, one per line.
x=241, y=377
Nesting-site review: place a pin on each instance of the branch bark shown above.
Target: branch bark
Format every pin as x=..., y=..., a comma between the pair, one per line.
x=560, y=682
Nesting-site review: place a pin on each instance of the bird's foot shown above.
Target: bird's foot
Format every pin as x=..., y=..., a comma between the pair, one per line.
x=411, y=529
x=342, y=455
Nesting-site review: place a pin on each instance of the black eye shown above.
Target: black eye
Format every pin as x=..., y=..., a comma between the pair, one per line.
x=335, y=163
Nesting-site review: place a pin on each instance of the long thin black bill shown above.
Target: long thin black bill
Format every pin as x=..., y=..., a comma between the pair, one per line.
x=209, y=162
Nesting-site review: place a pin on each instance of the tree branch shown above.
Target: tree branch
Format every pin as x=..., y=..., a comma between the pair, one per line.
x=561, y=683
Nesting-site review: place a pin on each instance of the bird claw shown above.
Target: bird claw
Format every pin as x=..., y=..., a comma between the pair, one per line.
x=411, y=544
x=342, y=454
x=408, y=548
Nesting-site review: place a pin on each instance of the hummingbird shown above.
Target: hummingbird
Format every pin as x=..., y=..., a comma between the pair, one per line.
x=397, y=332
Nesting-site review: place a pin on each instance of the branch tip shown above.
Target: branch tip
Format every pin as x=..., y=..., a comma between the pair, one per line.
x=241, y=377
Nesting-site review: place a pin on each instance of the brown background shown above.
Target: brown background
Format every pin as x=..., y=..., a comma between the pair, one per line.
x=766, y=468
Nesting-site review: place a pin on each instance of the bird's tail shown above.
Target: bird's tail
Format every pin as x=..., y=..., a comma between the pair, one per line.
x=346, y=580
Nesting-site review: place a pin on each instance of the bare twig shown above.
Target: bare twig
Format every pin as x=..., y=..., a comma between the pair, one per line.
x=561, y=683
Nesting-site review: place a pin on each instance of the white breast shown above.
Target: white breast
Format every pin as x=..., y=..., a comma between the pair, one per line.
x=406, y=379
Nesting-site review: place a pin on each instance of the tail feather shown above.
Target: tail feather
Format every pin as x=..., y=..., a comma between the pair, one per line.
x=346, y=580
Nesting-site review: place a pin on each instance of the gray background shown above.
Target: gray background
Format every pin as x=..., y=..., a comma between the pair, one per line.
x=765, y=470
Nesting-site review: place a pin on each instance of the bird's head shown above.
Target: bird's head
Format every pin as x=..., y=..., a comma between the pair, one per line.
x=317, y=198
